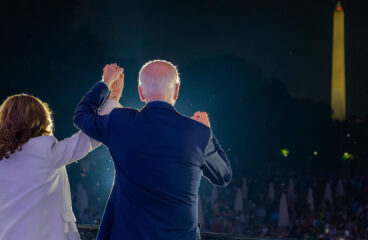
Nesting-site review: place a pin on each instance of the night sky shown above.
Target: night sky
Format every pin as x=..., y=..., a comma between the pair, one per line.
x=289, y=40
x=56, y=50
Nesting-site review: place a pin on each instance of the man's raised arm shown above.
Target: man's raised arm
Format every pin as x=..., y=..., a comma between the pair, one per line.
x=86, y=116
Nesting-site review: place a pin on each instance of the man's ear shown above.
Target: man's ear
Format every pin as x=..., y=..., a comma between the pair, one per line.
x=141, y=93
x=176, y=94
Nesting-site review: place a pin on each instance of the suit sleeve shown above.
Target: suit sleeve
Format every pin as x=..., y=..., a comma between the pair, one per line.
x=216, y=166
x=105, y=110
x=79, y=145
x=86, y=116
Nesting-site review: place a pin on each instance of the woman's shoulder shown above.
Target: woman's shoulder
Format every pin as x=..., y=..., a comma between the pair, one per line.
x=46, y=142
x=44, y=139
x=36, y=148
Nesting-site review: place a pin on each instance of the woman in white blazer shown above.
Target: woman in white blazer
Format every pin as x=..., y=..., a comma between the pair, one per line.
x=35, y=201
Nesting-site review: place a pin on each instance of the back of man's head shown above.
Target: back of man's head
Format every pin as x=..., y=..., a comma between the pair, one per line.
x=158, y=80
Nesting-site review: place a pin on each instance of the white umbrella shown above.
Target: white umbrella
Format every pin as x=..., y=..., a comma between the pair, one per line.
x=328, y=194
x=271, y=192
x=340, y=189
x=310, y=200
x=214, y=195
x=291, y=188
x=283, y=212
x=244, y=188
x=201, y=218
x=82, y=200
x=238, y=202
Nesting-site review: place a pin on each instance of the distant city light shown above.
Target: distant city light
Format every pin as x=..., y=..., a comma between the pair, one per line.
x=285, y=152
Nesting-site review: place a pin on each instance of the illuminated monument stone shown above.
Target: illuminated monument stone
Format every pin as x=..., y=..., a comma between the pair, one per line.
x=338, y=95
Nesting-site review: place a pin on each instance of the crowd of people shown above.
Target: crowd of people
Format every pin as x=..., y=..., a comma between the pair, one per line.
x=302, y=208
x=90, y=189
x=328, y=212
x=313, y=207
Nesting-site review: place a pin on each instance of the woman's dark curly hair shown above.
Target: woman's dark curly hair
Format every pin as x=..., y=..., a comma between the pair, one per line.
x=22, y=117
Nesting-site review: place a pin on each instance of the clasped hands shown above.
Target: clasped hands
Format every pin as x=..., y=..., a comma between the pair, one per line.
x=113, y=76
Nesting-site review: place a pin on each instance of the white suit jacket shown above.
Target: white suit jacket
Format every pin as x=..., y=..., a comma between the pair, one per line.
x=35, y=201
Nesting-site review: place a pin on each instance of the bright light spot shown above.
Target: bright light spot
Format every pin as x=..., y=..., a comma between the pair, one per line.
x=348, y=135
x=285, y=152
x=315, y=153
x=347, y=156
x=338, y=8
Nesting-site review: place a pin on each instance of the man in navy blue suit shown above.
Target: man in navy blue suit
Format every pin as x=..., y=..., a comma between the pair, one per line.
x=159, y=157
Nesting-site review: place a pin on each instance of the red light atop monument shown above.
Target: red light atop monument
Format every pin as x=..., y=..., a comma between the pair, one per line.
x=338, y=6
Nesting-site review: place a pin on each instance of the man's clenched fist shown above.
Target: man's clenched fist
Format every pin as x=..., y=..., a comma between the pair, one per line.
x=202, y=117
x=111, y=73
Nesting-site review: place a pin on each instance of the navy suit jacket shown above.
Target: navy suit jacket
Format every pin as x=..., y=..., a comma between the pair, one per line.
x=159, y=157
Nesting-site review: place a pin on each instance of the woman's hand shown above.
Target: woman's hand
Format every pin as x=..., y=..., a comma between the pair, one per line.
x=117, y=88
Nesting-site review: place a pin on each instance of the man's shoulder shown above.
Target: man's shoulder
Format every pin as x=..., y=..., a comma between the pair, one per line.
x=124, y=110
x=194, y=124
x=124, y=113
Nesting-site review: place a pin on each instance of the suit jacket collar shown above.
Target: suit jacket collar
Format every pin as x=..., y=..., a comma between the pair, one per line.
x=159, y=105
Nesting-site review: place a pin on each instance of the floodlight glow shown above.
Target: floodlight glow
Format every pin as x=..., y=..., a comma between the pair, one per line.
x=347, y=156
x=285, y=152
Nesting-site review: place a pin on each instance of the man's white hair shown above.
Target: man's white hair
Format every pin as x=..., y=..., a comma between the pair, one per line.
x=158, y=78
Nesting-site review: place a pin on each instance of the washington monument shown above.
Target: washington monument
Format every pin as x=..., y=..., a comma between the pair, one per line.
x=338, y=95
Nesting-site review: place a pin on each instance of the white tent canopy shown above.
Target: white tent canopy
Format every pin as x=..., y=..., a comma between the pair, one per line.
x=82, y=200
x=283, y=212
x=271, y=192
x=328, y=194
x=340, y=192
x=238, y=202
x=310, y=199
x=291, y=189
x=244, y=188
